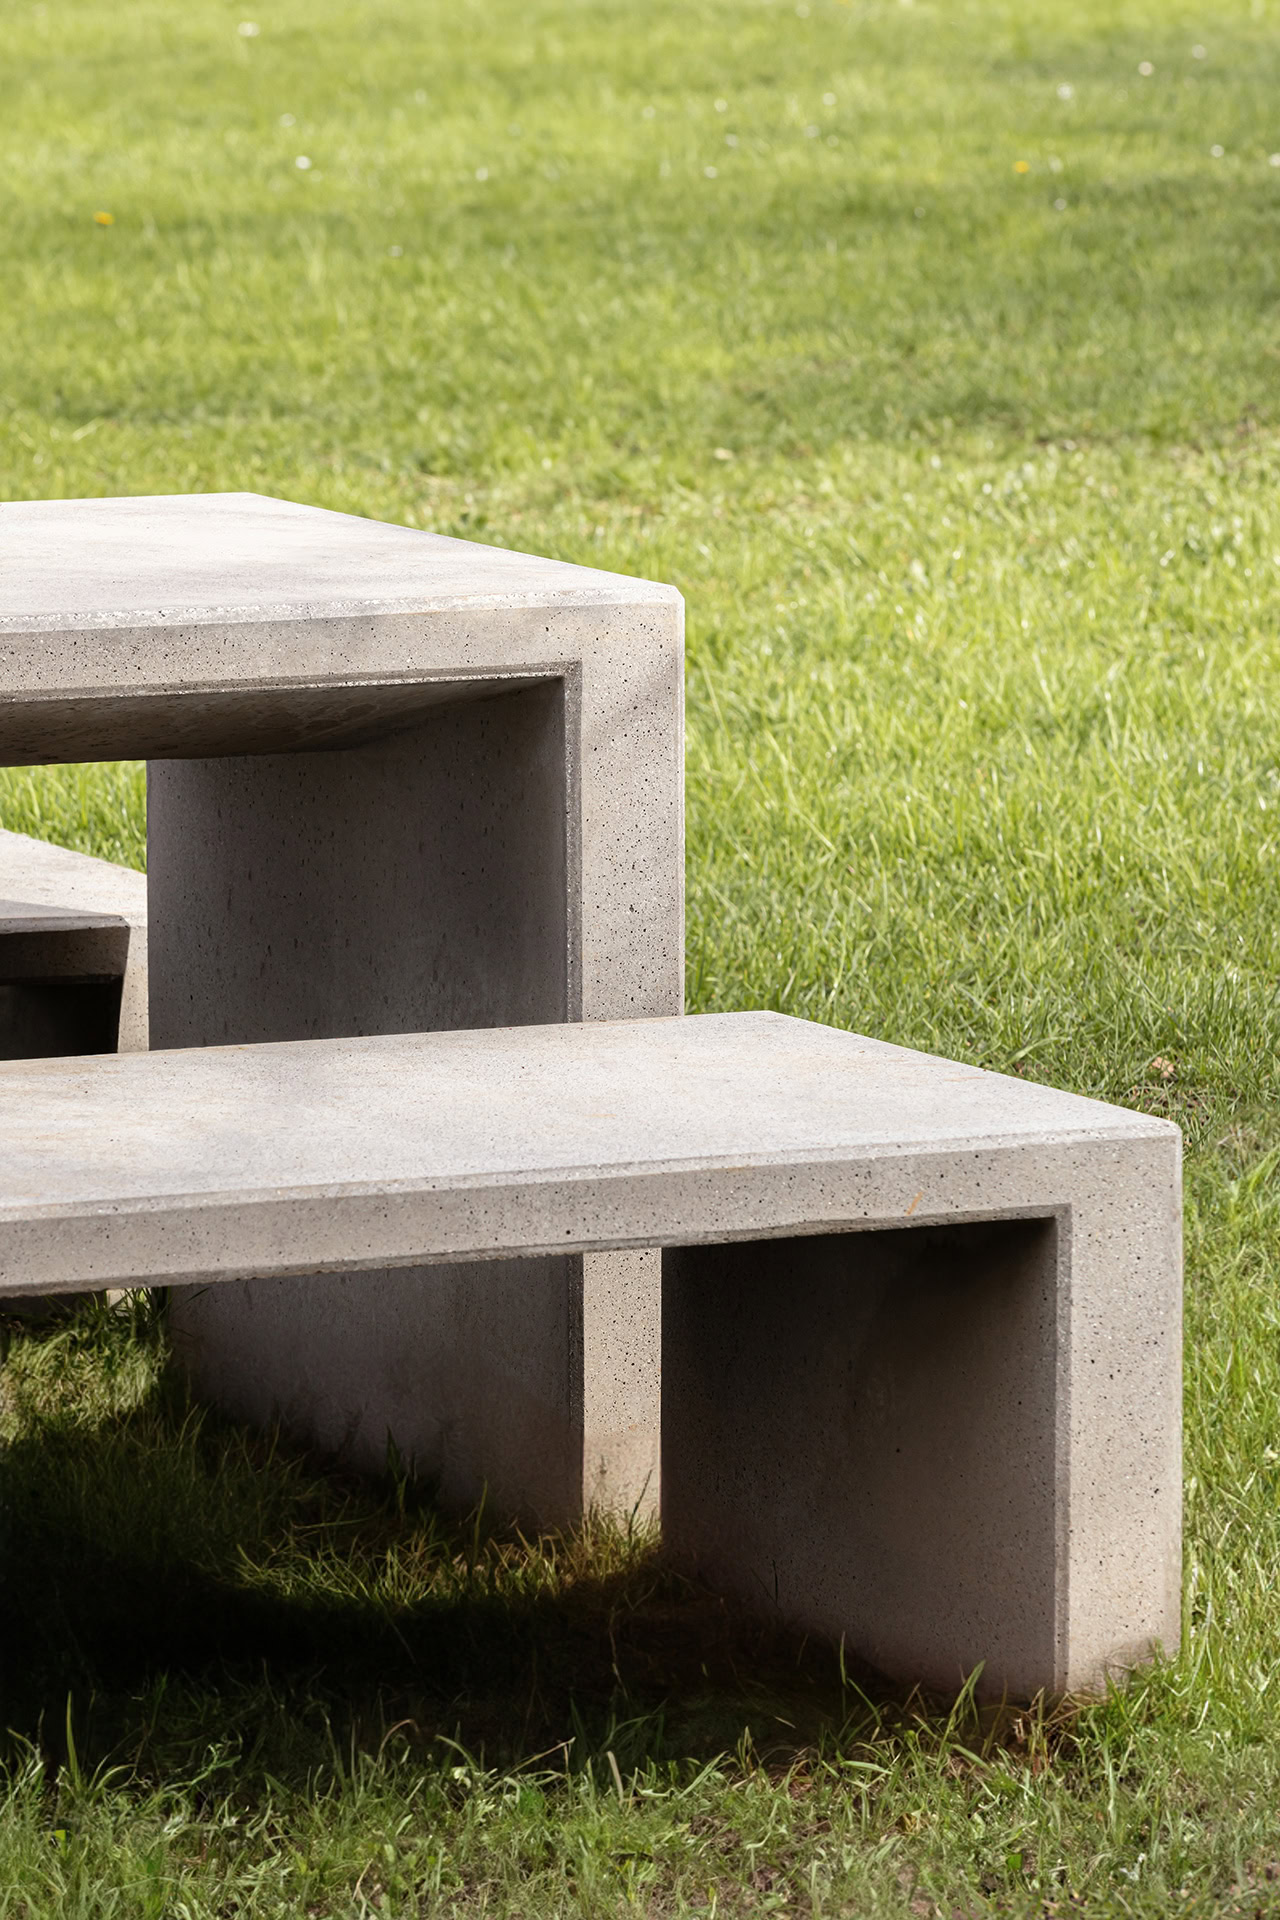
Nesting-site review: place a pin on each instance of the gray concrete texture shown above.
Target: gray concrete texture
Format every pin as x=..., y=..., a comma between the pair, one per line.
x=73, y=952
x=397, y=783
x=921, y=1323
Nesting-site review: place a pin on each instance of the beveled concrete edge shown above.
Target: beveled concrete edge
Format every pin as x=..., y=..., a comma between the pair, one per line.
x=239, y=613
x=497, y=1217
x=110, y=678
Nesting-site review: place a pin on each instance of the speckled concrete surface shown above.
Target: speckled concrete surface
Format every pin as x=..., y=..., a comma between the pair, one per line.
x=953, y=1439
x=397, y=782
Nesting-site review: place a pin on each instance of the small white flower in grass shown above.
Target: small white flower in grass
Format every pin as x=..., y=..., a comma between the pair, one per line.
x=648, y=113
x=828, y=99
x=722, y=106
x=395, y=252
x=712, y=173
x=248, y=29
x=731, y=139
x=1066, y=91
x=1273, y=160
x=1060, y=205
x=482, y=173
x=287, y=120
x=811, y=133
x=832, y=140
x=1055, y=165
x=1146, y=69
x=919, y=213
x=302, y=163
x=1198, y=53
x=1217, y=151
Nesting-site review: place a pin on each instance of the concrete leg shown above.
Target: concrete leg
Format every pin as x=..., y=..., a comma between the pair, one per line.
x=947, y=1446
x=427, y=880
x=488, y=1377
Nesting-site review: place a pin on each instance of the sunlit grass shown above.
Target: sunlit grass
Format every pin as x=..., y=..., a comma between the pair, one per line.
x=969, y=476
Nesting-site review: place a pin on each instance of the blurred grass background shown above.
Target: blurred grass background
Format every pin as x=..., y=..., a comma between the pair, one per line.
x=931, y=350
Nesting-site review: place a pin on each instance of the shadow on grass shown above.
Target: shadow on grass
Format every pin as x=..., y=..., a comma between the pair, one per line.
x=172, y=1582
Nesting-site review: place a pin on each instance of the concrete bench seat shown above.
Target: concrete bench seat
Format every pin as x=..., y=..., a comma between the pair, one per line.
x=921, y=1323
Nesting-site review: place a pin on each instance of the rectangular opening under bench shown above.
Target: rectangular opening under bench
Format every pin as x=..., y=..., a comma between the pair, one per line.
x=921, y=1332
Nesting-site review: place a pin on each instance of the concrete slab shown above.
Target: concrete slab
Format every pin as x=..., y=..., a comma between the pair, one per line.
x=207, y=624
x=660, y=1131
x=68, y=920
x=397, y=782
x=922, y=1330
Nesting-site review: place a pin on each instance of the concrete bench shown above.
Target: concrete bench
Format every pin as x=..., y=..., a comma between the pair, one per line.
x=73, y=958
x=920, y=1323
x=395, y=783
x=73, y=952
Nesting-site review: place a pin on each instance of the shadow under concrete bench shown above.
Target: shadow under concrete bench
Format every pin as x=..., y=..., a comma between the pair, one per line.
x=921, y=1323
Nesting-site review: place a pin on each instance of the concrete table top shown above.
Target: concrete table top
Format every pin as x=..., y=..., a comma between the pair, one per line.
x=81, y=565
x=197, y=1164
x=128, y=625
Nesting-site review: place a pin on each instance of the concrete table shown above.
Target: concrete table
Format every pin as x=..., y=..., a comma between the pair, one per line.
x=921, y=1331
x=396, y=783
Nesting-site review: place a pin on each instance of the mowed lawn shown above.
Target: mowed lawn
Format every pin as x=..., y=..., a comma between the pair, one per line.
x=933, y=351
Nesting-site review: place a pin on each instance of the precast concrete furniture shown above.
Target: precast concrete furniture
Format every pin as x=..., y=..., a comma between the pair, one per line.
x=73, y=958
x=73, y=952
x=396, y=783
x=921, y=1323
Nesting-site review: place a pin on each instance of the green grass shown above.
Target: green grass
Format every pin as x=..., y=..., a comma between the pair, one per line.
x=974, y=501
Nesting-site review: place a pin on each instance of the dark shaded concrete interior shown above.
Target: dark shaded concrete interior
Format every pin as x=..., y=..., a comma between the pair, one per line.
x=862, y=1430
x=46, y=1019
